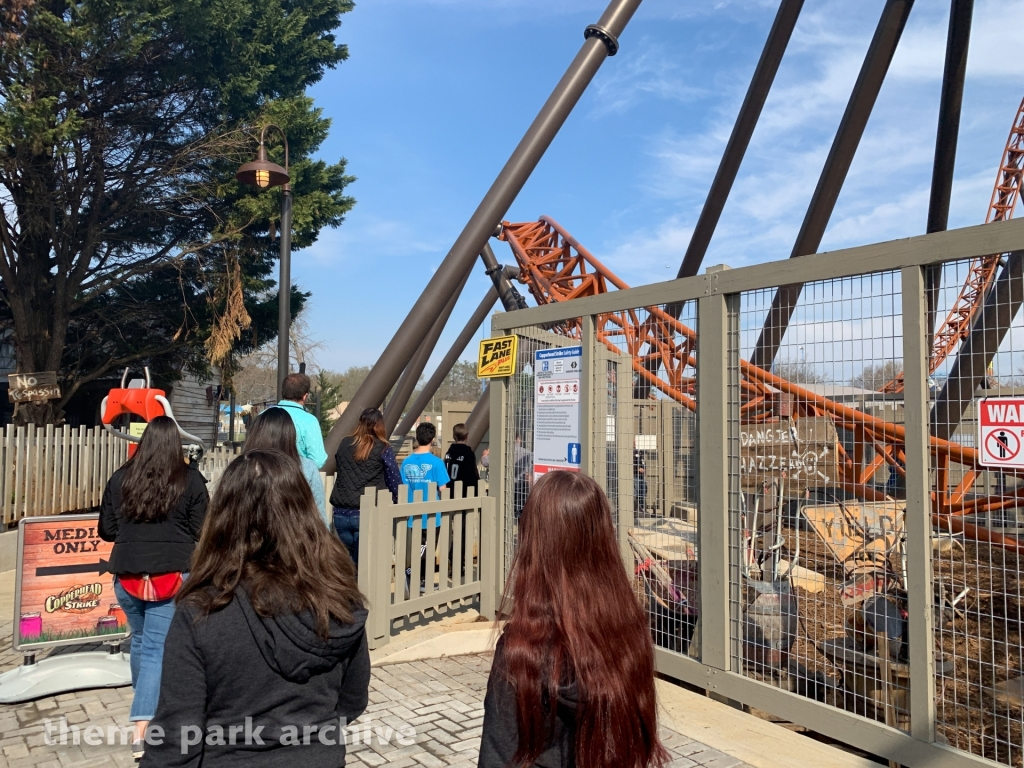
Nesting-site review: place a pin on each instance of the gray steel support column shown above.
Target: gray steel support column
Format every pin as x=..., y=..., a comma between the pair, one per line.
x=976, y=353
x=411, y=375
x=601, y=40
x=918, y=516
x=830, y=183
x=511, y=300
x=753, y=103
x=958, y=38
x=479, y=420
x=443, y=368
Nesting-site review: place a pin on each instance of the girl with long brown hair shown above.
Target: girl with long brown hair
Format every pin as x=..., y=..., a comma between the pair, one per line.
x=572, y=683
x=153, y=509
x=269, y=637
x=364, y=460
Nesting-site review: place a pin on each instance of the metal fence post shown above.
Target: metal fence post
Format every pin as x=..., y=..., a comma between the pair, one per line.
x=496, y=486
x=717, y=314
x=371, y=569
x=588, y=338
x=917, y=518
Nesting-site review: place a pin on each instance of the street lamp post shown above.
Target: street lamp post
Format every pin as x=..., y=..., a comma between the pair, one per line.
x=264, y=174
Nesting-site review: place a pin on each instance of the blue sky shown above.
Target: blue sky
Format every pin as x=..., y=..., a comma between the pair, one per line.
x=436, y=94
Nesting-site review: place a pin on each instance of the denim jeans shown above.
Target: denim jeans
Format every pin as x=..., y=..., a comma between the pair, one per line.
x=347, y=528
x=149, y=622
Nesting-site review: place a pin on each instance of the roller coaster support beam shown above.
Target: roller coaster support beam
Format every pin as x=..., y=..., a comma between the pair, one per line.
x=435, y=381
x=746, y=121
x=479, y=420
x=971, y=366
x=958, y=38
x=840, y=157
x=511, y=299
x=411, y=375
x=600, y=41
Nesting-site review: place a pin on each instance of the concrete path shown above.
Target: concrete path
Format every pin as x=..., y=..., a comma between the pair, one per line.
x=429, y=682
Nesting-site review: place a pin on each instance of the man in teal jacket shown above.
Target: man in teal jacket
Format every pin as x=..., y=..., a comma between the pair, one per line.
x=294, y=393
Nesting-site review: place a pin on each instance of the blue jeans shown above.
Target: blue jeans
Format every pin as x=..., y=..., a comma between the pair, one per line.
x=347, y=528
x=149, y=622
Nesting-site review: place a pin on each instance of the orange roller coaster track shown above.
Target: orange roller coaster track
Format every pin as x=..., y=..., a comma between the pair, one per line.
x=556, y=268
x=982, y=271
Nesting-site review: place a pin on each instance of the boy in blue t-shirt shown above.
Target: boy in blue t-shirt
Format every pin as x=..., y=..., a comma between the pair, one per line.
x=421, y=467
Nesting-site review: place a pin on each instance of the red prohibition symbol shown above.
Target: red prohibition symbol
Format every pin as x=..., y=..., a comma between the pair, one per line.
x=1002, y=445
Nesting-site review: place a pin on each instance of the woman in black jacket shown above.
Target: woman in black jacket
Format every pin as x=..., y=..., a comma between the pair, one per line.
x=267, y=658
x=153, y=509
x=572, y=682
x=364, y=460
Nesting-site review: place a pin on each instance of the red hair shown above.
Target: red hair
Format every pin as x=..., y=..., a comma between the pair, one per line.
x=575, y=619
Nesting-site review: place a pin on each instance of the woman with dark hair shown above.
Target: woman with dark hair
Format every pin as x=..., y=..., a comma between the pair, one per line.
x=572, y=682
x=274, y=430
x=364, y=460
x=267, y=652
x=153, y=509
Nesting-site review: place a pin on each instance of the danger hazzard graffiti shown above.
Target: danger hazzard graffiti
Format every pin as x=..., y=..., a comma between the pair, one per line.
x=497, y=357
x=64, y=592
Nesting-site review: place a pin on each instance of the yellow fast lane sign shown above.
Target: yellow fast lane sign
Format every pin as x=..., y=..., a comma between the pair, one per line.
x=497, y=357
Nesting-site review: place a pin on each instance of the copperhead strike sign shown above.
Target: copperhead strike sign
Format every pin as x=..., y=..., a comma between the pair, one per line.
x=64, y=593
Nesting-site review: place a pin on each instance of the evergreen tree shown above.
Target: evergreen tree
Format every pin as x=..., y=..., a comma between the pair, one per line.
x=124, y=238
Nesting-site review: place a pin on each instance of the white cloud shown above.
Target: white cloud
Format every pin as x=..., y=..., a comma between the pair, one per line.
x=370, y=237
x=887, y=189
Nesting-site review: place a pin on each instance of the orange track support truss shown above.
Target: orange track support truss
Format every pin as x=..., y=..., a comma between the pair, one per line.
x=982, y=271
x=556, y=268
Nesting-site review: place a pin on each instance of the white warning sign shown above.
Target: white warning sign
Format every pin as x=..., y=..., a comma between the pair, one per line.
x=556, y=421
x=1001, y=432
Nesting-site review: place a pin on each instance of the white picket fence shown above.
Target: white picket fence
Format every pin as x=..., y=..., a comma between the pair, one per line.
x=49, y=470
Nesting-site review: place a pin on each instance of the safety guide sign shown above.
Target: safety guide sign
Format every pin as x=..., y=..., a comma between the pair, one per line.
x=1001, y=432
x=556, y=415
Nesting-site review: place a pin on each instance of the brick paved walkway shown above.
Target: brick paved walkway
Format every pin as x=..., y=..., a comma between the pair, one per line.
x=442, y=699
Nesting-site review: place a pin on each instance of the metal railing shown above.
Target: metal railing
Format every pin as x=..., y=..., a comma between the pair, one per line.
x=806, y=540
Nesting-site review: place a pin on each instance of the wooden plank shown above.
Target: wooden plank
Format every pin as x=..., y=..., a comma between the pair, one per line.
x=415, y=565
x=19, y=473
x=472, y=545
x=107, y=459
x=442, y=549
x=38, y=494
x=6, y=515
x=46, y=481
x=401, y=546
x=27, y=459
x=65, y=468
x=459, y=560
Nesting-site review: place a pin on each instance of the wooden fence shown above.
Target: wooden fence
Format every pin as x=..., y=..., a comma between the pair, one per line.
x=460, y=556
x=49, y=470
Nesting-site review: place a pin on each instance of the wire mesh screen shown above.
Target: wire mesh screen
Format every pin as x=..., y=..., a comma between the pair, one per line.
x=519, y=431
x=643, y=436
x=977, y=391
x=822, y=601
